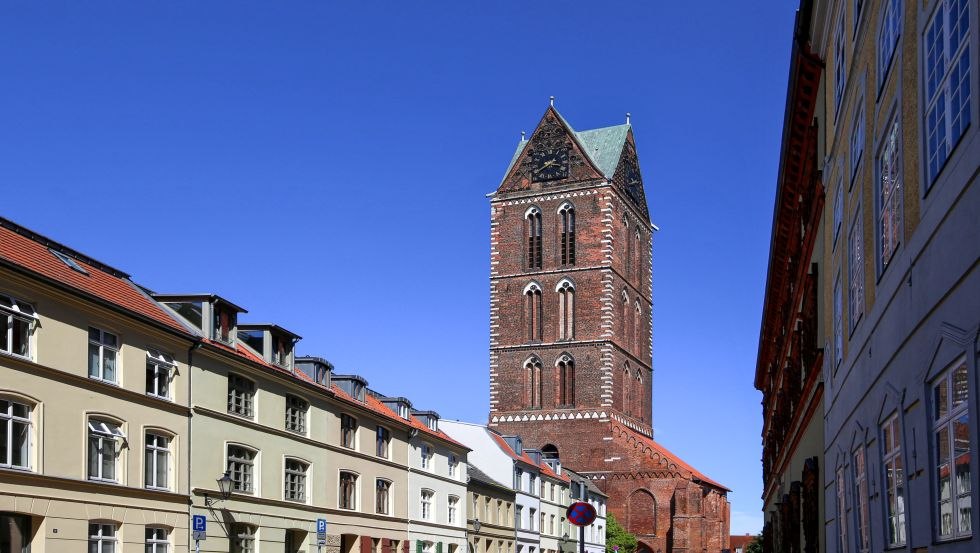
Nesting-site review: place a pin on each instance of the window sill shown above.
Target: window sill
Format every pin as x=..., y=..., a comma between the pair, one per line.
x=104, y=381
x=103, y=481
x=17, y=355
x=241, y=415
x=157, y=489
x=14, y=468
x=161, y=398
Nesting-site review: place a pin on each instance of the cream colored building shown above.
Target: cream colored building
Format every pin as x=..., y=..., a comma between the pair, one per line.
x=490, y=526
x=94, y=392
x=554, y=495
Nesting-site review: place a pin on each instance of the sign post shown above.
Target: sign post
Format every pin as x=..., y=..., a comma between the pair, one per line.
x=581, y=514
x=199, y=525
x=321, y=534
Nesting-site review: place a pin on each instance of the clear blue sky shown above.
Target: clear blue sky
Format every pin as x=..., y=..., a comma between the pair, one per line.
x=324, y=165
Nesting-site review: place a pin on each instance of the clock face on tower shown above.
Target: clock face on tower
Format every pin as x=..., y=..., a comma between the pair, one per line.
x=633, y=183
x=549, y=164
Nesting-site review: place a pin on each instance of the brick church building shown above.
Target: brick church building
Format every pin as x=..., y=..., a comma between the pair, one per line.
x=570, y=331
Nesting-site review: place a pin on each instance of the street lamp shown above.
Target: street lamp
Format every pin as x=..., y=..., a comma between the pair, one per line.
x=564, y=541
x=224, y=489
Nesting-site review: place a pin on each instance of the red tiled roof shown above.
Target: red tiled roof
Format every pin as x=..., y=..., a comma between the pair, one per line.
x=373, y=404
x=502, y=443
x=740, y=541
x=437, y=433
x=664, y=452
x=26, y=252
x=546, y=471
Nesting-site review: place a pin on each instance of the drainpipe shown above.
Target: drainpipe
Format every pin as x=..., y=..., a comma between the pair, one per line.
x=190, y=369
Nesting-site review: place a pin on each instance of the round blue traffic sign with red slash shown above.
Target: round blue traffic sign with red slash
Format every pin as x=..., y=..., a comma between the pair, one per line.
x=580, y=513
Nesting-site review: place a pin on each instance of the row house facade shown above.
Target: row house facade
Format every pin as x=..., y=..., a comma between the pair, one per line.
x=583, y=489
x=167, y=397
x=490, y=526
x=898, y=293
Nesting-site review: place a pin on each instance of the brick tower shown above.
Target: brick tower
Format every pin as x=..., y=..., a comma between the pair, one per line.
x=571, y=330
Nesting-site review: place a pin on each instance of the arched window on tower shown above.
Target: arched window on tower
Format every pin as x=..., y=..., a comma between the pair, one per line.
x=533, y=312
x=639, y=256
x=629, y=246
x=566, y=309
x=627, y=333
x=640, y=395
x=533, y=218
x=532, y=381
x=567, y=214
x=637, y=328
x=565, y=385
x=627, y=389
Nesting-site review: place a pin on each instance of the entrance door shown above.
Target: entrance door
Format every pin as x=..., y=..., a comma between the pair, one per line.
x=15, y=533
x=295, y=540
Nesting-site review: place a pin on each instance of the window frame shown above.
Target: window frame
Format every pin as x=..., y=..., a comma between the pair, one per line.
x=382, y=442
x=101, y=538
x=244, y=537
x=110, y=432
x=939, y=422
x=855, y=272
x=247, y=468
x=427, y=457
x=857, y=141
x=241, y=396
x=348, y=431
x=889, y=33
x=160, y=362
x=155, y=542
x=296, y=412
x=103, y=347
x=156, y=450
x=12, y=421
x=295, y=485
x=859, y=473
x=382, y=505
x=343, y=502
x=15, y=310
x=893, y=463
x=889, y=153
x=840, y=68
x=452, y=510
x=840, y=484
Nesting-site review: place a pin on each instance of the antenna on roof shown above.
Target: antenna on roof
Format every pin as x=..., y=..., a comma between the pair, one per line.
x=522, y=135
x=551, y=100
x=627, y=118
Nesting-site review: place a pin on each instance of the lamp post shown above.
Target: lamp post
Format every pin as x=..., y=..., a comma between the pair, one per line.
x=224, y=489
x=564, y=541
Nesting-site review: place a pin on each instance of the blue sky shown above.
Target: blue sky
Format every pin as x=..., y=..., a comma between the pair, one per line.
x=324, y=165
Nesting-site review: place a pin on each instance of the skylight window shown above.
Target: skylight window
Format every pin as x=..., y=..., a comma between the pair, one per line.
x=68, y=261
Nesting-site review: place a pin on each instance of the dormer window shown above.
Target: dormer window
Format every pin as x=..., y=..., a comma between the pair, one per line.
x=281, y=350
x=401, y=406
x=273, y=343
x=316, y=368
x=429, y=418
x=403, y=411
x=352, y=385
x=225, y=321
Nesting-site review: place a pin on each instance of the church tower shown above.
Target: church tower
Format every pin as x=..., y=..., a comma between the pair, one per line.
x=571, y=360
x=571, y=284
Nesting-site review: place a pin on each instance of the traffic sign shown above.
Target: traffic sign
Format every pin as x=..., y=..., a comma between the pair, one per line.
x=321, y=531
x=580, y=513
x=199, y=524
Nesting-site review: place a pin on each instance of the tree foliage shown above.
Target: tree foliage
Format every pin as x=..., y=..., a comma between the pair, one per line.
x=754, y=546
x=616, y=535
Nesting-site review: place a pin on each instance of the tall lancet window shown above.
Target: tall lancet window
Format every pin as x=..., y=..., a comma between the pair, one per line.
x=639, y=256
x=533, y=312
x=533, y=218
x=640, y=395
x=638, y=328
x=566, y=310
x=629, y=246
x=627, y=319
x=532, y=381
x=566, y=381
x=627, y=390
x=567, y=214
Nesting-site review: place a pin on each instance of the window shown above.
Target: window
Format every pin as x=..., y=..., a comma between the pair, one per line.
x=533, y=218
x=241, y=468
x=889, y=198
x=551, y=525
x=296, y=409
x=629, y=245
x=532, y=482
x=855, y=272
x=858, y=4
x=223, y=323
x=891, y=28
x=838, y=208
x=566, y=310
x=947, y=74
x=101, y=538
x=627, y=390
x=567, y=214
x=951, y=428
x=348, y=430
x=67, y=260
x=838, y=323
x=426, y=504
x=532, y=518
x=533, y=384
x=518, y=479
x=157, y=462
x=451, y=516
x=894, y=481
x=104, y=442
x=840, y=75
x=382, y=493
x=861, y=494
x=453, y=463
x=857, y=138
x=841, y=513
x=348, y=490
x=17, y=321
x=156, y=540
x=383, y=442
x=160, y=368
x=240, y=395
x=518, y=515
x=294, y=484
x=242, y=538
x=281, y=349
x=533, y=310
x=102, y=350
x=426, y=455
x=15, y=435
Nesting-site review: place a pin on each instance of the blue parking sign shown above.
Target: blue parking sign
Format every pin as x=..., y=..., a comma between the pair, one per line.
x=199, y=525
x=321, y=531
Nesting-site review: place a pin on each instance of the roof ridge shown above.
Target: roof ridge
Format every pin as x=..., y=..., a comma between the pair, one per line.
x=58, y=246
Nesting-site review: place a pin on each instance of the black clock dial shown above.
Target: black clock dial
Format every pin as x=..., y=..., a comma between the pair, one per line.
x=633, y=182
x=549, y=164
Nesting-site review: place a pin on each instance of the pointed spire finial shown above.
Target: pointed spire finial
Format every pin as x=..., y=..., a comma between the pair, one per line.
x=522, y=135
x=627, y=118
x=551, y=101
